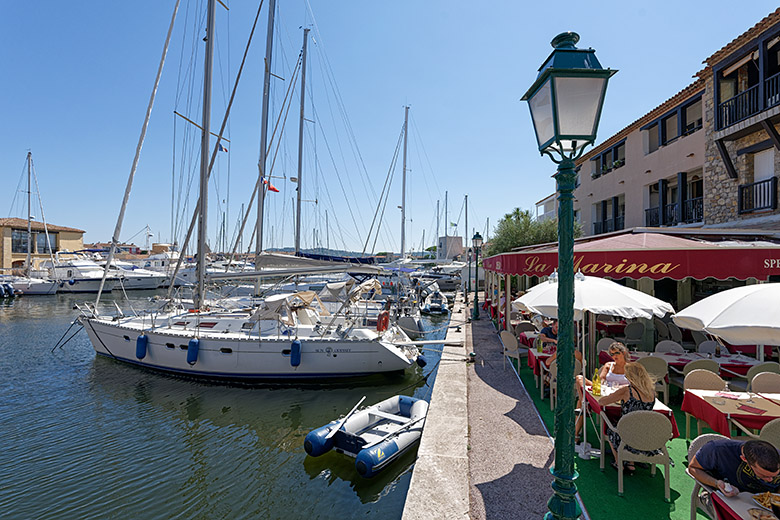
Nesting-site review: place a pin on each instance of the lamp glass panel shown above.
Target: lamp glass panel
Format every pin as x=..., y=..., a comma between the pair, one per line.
x=578, y=101
x=542, y=113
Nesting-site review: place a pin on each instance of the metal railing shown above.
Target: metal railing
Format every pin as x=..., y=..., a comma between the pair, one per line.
x=738, y=108
x=671, y=214
x=772, y=90
x=609, y=225
x=652, y=217
x=757, y=196
x=693, y=210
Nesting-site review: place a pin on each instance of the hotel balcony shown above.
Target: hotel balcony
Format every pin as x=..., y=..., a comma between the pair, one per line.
x=609, y=225
x=749, y=102
x=757, y=196
x=692, y=211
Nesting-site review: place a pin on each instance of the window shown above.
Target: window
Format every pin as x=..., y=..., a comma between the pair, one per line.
x=670, y=129
x=619, y=155
x=692, y=118
x=40, y=243
x=764, y=165
x=651, y=138
x=18, y=241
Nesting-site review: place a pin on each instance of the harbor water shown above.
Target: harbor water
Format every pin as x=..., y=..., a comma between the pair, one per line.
x=88, y=437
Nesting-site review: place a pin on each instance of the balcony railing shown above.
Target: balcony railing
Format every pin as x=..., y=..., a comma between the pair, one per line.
x=772, y=90
x=671, y=214
x=693, y=210
x=652, y=217
x=609, y=225
x=738, y=108
x=758, y=196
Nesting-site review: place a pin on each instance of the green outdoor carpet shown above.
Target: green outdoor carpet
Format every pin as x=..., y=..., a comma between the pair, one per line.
x=643, y=495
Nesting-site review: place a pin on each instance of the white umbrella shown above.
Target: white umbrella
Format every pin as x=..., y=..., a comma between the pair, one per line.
x=592, y=294
x=748, y=315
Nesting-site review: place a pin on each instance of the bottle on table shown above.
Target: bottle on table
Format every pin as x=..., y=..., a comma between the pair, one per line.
x=596, y=383
x=717, y=350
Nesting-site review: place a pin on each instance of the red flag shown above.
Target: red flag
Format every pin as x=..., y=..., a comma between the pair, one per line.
x=271, y=187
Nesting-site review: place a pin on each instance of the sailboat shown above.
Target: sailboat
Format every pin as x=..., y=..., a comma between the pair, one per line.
x=28, y=284
x=283, y=339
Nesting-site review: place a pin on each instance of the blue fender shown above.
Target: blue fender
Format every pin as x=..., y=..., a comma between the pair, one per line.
x=192, y=351
x=295, y=353
x=141, y=343
x=421, y=360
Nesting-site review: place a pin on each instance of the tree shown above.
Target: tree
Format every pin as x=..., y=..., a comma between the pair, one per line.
x=519, y=228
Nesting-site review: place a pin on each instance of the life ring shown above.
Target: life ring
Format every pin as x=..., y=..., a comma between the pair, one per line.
x=382, y=321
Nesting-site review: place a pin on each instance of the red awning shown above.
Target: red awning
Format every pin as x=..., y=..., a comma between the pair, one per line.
x=649, y=255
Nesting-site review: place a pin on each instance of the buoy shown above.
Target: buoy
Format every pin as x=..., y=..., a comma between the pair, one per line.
x=382, y=321
x=295, y=353
x=421, y=360
x=71, y=281
x=141, y=343
x=192, y=351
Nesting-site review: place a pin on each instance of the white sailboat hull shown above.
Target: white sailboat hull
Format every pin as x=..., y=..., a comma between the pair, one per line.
x=240, y=355
x=35, y=286
x=85, y=285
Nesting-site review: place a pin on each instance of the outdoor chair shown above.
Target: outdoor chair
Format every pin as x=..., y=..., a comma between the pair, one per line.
x=700, y=495
x=512, y=349
x=662, y=331
x=642, y=430
x=658, y=369
x=524, y=326
x=676, y=334
x=554, y=381
x=770, y=432
x=699, y=337
x=766, y=382
x=741, y=383
x=668, y=345
x=633, y=334
x=604, y=344
x=514, y=315
x=700, y=379
x=708, y=347
x=677, y=377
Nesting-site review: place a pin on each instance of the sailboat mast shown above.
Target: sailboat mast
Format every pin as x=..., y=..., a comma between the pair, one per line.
x=438, y=219
x=466, y=241
x=27, y=265
x=300, y=143
x=446, y=221
x=269, y=41
x=200, y=295
x=403, y=184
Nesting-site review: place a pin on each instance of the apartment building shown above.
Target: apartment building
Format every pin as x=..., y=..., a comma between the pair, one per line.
x=692, y=161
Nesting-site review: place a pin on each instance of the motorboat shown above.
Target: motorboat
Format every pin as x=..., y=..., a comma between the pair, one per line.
x=435, y=303
x=77, y=273
x=133, y=277
x=374, y=436
x=31, y=286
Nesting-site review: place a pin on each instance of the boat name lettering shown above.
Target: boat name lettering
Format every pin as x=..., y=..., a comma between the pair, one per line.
x=330, y=350
x=533, y=264
x=771, y=263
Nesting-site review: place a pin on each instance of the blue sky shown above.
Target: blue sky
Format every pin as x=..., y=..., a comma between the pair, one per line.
x=77, y=79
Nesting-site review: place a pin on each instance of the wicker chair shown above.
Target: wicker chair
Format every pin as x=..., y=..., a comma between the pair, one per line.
x=699, y=337
x=667, y=345
x=701, y=380
x=771, y=433
x=524, y=326
x=604, y=344
x=554, y=381
x=511, y=347
x=661, y=330
x=676, y=334
x=768, y=382
x=677, y=377
x=658, y=369
x=742, y=383
x=707, y=347
x=642, y=430
x=697, y=497
x=633, y=334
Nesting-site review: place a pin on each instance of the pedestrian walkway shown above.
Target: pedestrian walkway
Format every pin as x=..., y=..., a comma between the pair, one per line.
x=510, y=450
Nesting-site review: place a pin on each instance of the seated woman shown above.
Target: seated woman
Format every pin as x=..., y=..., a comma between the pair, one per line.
x=612, y=373
x=639, y=394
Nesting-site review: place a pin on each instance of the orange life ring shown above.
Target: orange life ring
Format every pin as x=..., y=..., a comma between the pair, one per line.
x=382, y=321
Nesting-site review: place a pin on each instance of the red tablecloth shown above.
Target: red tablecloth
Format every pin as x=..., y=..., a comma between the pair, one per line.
x=525, y=340
x=749, y=350
x=695, y=403
x=614, y=412
x=534, y=358
x=611, y=328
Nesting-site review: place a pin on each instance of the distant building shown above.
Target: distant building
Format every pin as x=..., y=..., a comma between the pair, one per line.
x=105, y=247
x=547, y=208
x=13, y=241
x=449, y=247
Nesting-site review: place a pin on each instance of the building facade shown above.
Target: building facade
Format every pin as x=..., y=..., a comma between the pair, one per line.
x=13, y=242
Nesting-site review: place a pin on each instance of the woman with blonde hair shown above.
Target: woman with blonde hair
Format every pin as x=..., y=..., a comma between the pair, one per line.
x=613, y=373
x=638, y=394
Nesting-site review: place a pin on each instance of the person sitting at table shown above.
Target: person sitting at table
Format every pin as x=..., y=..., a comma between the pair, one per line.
x=612, y=373
x=638, y=394
x=549, y=334
x=752, y=466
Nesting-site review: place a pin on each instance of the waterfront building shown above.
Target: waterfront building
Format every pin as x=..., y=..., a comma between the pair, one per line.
x=13, y=242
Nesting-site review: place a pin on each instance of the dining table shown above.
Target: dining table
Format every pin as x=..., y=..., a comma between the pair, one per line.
x=722, y=409
x=734, y=508
x=611, y=328
x=534, y=359
x=614, y=411
x=527, y=338
x=737, y=363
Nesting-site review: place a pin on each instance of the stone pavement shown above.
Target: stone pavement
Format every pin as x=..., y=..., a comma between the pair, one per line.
x=485, y=453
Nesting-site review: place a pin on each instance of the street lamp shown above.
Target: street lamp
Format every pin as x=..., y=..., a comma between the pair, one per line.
x=476, y=242
x=565, y=103
x=468, y=283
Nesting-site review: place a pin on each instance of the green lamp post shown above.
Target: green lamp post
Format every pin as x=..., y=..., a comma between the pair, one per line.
x=565, y=103
x=476, y=242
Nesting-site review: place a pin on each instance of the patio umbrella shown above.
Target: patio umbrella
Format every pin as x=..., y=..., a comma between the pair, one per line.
x=748, y=315
x=592, y=294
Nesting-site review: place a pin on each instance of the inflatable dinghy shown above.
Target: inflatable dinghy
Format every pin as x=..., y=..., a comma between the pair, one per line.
x=374, y=436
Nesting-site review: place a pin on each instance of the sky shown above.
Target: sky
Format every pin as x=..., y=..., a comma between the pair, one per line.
x=77, y=77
